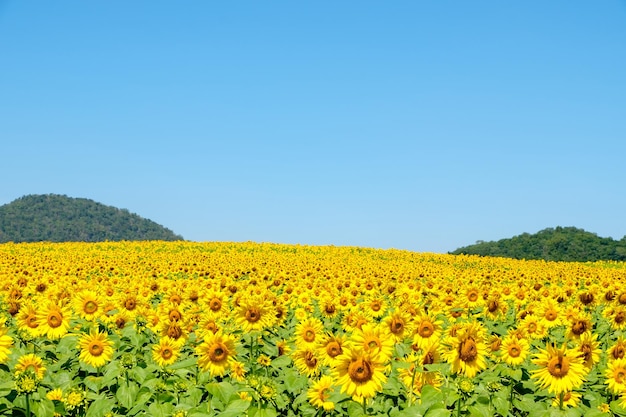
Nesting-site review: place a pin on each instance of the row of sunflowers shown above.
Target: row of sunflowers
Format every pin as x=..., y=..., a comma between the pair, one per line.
x=230, y=329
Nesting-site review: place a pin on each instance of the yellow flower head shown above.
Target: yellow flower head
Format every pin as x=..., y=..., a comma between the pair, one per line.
x=560, y=369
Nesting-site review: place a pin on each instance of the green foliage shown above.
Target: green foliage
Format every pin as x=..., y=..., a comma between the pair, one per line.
x=57, y=218
x=567, y=244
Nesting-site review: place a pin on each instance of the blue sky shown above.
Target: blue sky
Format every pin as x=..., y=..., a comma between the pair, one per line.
x=416, y=125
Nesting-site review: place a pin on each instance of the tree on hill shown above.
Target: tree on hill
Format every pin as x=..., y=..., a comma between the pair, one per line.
x=552, y=244
x=58, y=218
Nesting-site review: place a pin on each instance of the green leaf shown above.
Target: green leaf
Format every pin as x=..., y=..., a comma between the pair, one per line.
x=438, y=411
x=294, y=382
x=235, y=408
x=126, y=394
x=160, y=409
x=100, y=407
x=43, y=408
x=479, y=410
x=431, y=396
x=261, y=412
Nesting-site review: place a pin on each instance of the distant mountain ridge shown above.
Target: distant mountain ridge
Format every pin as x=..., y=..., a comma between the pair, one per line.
x=552, y=244
x=59, y=218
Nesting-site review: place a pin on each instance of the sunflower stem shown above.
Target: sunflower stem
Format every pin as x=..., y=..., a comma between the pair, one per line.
x=511, y=393
x=561, y=395
x=364, y=406
x=412, y=383
x=458, y=406
x=27, y=405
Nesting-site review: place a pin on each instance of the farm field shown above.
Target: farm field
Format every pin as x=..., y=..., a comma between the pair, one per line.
x=231, y=329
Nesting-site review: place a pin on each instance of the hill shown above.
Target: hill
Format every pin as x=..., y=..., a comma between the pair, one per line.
x=58, y=218
x=559, y=244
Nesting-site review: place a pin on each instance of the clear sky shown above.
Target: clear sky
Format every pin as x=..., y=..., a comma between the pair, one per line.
x=419, y=125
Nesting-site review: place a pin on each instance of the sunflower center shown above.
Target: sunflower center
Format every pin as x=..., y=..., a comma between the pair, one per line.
x=333, y=349
x=96, y=348
x=550, y=315
x=31, y=321
x=360, y=370
x=586, y=352
x=253, y=315
x=330, y=309
x=472, y=296
x=215, y=304
x=429, y=358
x=130, y=304
x=174, y=331
x=175, y=315
x=90, y=307
x=309, y=336
x=426, y=329
x=374, y=344
x=618, y=352
x=620, y=317
x=579, y=327
x=492, y=306
x=376, y=306
x=166, y=353
x=468, y=351
x=310, y=360
x=396, y=326
x=55, y=319
x=218, y=352
x=558, y=366
x=514, y=351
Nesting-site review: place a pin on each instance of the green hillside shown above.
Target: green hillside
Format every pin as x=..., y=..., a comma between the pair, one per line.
x=558, y=244
x=58, y=218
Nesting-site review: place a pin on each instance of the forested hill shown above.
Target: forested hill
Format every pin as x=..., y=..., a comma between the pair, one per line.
x=558, y=244
x=58, y=218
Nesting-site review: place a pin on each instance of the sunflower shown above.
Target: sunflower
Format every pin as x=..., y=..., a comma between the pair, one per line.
x=165, y=352
x=466, y=352
x=216, y=353
x=319, y=393
x=27, y=320
x=88, y=305
x=374, y=339
x=254, y=314
x=95, y=348
x=427, y=329
x=308, y=332
x=616, y=376
x=54, y=320
x=550, y=313
x=398, y=324
x=330, y=348
x=618, y=349
x=375, y=307
x=560, y=369
x=589, y=349
x=31, y=362
x=616, y=317
x=514, y=350
x=216, y=304
x=495, y=308
x=237, y=371
x=360, y=373
x=306, y=361
x=580, y=323
x=533, y=327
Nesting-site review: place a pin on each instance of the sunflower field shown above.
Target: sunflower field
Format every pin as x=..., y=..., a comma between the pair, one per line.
x=263, y=330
